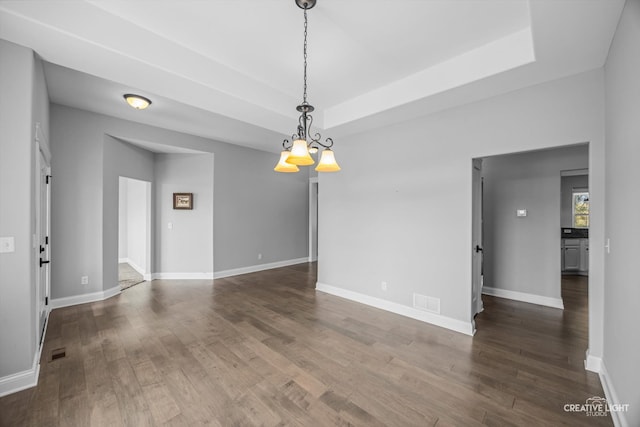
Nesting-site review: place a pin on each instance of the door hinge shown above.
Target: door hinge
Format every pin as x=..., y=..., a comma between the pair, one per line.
x=48, y=178
x=46, y=240
x=46, y=300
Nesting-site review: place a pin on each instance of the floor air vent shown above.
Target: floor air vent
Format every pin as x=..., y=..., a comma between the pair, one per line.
x=58, y=353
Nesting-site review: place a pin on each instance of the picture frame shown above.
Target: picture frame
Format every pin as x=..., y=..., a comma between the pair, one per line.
x=183, y=201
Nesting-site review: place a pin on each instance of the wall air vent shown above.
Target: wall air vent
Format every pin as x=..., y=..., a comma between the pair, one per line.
x=423, y=302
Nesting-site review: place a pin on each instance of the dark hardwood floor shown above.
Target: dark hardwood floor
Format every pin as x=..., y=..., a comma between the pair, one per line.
x=267, y=349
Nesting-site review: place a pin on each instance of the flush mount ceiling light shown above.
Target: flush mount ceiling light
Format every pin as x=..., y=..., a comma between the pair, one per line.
x=136, y=101
x=297, y=151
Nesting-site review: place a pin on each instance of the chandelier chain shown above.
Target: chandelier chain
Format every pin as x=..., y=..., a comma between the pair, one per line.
x=304, y=98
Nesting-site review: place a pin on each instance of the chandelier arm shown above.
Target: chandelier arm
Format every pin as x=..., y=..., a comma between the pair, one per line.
x=316, y=139
x=286, y=144
x=309, y=123
x=327, y=144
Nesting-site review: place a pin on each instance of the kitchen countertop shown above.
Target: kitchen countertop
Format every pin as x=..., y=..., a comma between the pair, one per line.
x=574, y=233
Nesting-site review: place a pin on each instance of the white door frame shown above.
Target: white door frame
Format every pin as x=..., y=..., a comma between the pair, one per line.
x=313, y=219
x=41, y=243
x=477, y=253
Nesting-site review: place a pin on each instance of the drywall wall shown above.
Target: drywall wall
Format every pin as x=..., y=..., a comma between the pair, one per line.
x=400, y=209
x=17, y=286
x=186, y=247
x=622, y=293
x=522, y=254
x=23, y=103
x=567, y=185
x=122, y=159
x=255, y=210
x=76, y=205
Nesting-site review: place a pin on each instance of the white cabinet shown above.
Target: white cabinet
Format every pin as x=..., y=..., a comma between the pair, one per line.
x=584, y=256
x=575, y=256
x=571, y=255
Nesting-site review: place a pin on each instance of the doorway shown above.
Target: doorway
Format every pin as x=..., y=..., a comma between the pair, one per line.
x=477, y=250
x=43, y=255
x=574, y=221
x=134, y=232
x=516, y=212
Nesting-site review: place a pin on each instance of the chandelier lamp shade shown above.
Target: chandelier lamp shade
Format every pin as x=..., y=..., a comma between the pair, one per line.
x=297, y=151
x=283, y=166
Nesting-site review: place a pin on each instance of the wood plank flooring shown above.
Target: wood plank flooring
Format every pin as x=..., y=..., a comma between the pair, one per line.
x=266, y=349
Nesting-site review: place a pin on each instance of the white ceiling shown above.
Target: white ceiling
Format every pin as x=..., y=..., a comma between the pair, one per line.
x=231, y=70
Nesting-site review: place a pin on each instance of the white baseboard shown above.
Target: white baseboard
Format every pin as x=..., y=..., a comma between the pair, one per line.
x=147, y=277
x=181, y=276
x=524, y=297
x=25, y=379
x=224, y=273
x=29, y=378
x=466, y=328
x=259, y=267
x=137, y=268
x=19, y=381
x=592, y=363
x=133, y=265
x=84, y=298
x=619, y=417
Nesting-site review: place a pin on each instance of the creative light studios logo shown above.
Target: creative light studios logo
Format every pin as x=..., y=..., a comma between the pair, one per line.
x=596, y=407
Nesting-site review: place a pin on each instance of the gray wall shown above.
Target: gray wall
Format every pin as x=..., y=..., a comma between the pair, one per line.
x=622, y=293
x=255, y=210
x=188, y=246
x=522, y=254
x=405, y=217
x=23, y=103
x=87, y=165
x=120, y=159
x=567, y=185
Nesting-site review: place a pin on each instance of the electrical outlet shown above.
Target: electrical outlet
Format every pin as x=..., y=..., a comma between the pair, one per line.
x=384, y=286
x=84, y=280
x=259, y=256
x=7, y=245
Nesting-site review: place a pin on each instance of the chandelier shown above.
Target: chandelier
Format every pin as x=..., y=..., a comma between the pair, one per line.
x=297, y=152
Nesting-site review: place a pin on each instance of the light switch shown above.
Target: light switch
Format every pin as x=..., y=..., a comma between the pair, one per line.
x=521, y=212
x=170, y=226
x=7, y=245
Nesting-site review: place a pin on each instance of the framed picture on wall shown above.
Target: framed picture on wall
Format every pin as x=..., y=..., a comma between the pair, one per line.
x=182, y=200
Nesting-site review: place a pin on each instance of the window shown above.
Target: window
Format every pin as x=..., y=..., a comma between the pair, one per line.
x=580, y=202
